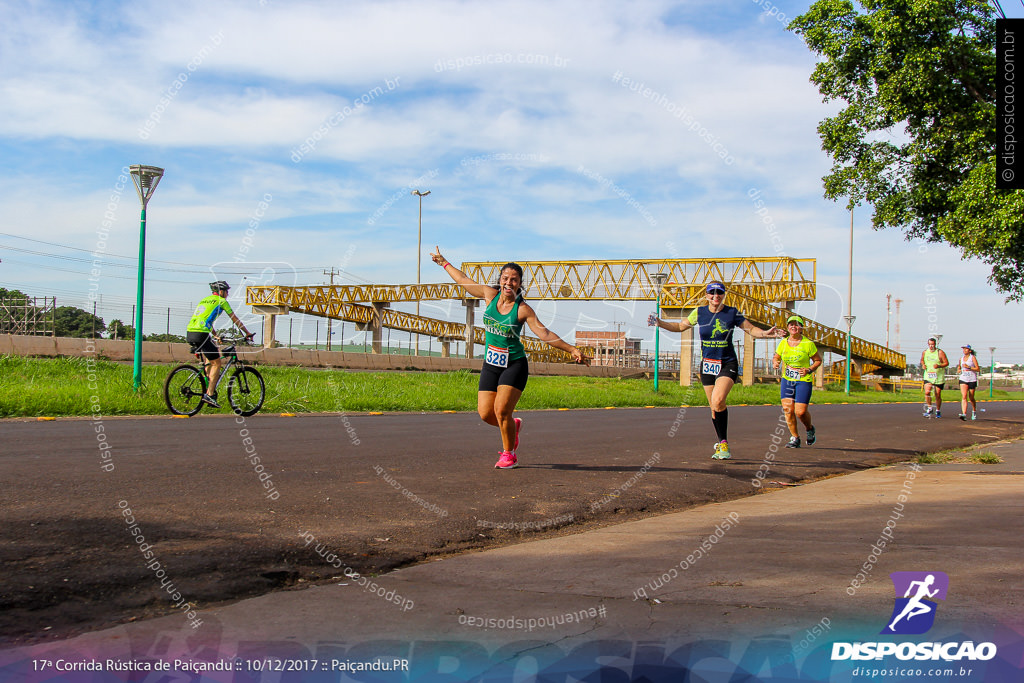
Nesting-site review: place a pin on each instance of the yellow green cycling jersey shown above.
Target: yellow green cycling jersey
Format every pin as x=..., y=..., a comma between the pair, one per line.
x=796, y=357
x=207, y=311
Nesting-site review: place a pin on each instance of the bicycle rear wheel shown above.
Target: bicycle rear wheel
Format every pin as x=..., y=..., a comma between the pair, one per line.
x=246, y=391
x=183, y=390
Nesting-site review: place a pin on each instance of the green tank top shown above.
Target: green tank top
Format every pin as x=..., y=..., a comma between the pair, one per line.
x=932, y=374
x=502, y=335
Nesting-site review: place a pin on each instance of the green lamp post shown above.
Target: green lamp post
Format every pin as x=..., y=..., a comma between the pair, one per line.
x=146, y=179
x=659, y=282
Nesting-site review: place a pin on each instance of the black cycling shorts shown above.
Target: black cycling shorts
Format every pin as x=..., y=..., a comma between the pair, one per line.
x=515, y=375
x=730, y=369
x=202, y=342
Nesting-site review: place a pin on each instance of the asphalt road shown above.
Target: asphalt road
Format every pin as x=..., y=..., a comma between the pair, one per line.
x=226, y=506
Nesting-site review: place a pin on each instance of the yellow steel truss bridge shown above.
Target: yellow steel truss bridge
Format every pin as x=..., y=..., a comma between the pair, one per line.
x=754, y=284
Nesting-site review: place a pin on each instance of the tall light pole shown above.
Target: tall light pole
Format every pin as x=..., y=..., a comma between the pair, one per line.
x=146, y=179
x=849, y=317
x=888, y=315
x=849, y=332
x=659, y=281
x=991, y=369
x=419, y=255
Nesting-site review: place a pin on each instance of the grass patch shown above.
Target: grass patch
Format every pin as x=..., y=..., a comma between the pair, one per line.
x=31, y=387
x=959, y=457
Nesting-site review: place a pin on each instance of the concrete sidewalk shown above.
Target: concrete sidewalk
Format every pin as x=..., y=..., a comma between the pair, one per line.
x=799, y=563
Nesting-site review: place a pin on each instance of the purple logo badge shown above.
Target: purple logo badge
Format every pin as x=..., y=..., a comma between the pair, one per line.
x=916, y=592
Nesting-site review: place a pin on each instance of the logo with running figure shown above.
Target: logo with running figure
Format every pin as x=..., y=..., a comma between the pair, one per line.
x=914, y=612
x=718, y=329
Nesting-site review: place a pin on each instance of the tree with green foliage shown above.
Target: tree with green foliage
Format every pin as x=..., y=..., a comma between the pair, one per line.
x=162, y=337
x=917, y=138
x=74, y=322
x=118, y=330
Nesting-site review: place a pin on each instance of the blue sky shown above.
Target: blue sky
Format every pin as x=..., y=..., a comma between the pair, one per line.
x=526, y=121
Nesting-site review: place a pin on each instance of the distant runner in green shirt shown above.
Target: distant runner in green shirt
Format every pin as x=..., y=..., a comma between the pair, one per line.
x=200, y=333
x=934, y=364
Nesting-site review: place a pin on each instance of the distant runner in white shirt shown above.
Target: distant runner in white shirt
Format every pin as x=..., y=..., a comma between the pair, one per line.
x=968, y=368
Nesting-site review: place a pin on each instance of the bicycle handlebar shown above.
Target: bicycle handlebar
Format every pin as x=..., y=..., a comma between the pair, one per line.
x=237, y=339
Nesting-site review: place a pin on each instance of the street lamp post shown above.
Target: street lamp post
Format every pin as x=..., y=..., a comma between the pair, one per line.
x=849, y=317
x=659, y=281
x=849, y=333
x=419, y=254
x=146, y=179
x=991, y=369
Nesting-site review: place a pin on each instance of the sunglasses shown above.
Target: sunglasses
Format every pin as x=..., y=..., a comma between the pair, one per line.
x=718, y=292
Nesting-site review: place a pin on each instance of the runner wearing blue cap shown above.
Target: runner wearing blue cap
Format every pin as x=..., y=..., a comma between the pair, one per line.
x=801, y=359
x=719, y=365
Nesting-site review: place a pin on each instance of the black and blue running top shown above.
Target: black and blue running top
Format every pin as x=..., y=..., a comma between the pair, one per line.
x=715, y=330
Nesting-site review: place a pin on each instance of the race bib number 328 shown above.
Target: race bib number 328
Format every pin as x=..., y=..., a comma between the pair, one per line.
x=497, y=356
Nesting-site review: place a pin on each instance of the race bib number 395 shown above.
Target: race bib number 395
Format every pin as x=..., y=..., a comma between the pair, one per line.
x=497, y=356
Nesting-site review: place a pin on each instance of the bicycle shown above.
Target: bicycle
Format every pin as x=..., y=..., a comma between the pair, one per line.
x=185, y=386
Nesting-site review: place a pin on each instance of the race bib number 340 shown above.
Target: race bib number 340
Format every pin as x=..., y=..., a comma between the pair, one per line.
x=497, y=356
x=711, y=366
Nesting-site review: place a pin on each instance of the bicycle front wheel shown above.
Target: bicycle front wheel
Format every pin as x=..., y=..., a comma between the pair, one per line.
x=246, y=391
x=183, y=390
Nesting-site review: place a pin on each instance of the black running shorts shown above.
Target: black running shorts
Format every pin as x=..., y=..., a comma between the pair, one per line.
x=730, y=369
x=202, y=342
x=515, y=375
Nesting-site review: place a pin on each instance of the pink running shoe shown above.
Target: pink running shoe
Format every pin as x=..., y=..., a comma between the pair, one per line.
x=507, y=461
x=519, y=425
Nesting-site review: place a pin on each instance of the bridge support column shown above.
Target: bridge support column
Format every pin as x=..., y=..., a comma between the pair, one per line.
x=748, y=360
x=819, y=377
x=269, y=314
x=685, y=343
x=470, y=305
x=377, y=327
x=687, y=348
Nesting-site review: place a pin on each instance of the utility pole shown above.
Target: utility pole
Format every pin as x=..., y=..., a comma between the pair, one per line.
x=419, y=251
x=332, y=272
x=898, y=302
x=888, y=299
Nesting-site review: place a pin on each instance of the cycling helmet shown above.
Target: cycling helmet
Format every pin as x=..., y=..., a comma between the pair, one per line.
x=219, y=285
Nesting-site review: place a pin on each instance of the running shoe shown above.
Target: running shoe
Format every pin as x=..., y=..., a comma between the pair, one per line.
x=938, y=414
x=974, y=416
x=812, y=436
x=519, y=425
x=927, y=411
x=722, y=451
x=963, y=416
x=794, y=442
x=210, y=401
x=507, y=461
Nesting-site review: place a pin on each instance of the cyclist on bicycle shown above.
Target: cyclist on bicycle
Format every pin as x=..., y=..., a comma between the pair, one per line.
x=200, y=333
